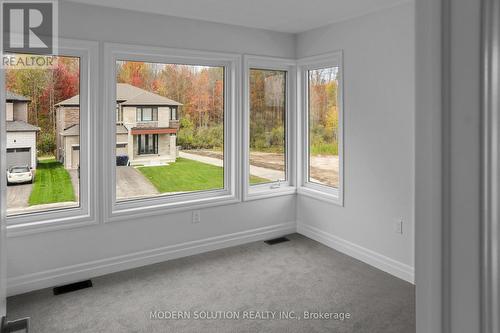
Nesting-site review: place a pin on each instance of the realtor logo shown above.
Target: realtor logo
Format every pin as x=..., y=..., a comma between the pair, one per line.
x=29, y=27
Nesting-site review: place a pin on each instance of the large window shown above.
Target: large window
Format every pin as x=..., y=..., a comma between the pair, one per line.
x=173, y=120
x=322, y=129
x=43, y=136
x=267, y=98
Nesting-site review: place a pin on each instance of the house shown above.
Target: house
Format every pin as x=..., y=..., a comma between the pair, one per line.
x=21, y=136
x=146, y=127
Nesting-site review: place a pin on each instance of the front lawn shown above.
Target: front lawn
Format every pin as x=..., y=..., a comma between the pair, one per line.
x=52, y=184
x=186, y=175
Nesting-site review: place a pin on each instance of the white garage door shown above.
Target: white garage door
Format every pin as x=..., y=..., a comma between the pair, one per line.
x=18, y=157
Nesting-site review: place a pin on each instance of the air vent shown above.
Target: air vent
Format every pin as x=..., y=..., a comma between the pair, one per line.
x=72, y=287
x=276, y=240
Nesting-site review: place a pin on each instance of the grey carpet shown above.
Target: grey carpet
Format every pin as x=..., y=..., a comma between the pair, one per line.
x=300, y=275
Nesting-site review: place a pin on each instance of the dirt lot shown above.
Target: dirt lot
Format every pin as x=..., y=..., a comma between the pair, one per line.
x=324, y=168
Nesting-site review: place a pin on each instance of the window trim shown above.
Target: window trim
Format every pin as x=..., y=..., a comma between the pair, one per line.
x=307, y=188
x=266, y=190
x=86, y=213
x=158, y=205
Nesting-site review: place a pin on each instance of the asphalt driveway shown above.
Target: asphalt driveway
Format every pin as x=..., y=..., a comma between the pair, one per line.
x=18, y=195
x=130, y=183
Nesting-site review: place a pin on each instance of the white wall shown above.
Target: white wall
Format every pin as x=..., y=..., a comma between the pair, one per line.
x=49, y=258
x=463, y=131
x=379, y=146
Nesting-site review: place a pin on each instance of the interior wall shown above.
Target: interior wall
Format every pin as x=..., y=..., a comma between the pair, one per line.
x=378, y=139
x=57, y=257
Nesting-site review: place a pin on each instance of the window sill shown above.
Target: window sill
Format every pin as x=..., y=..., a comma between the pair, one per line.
x=332, y=197
x=263, y=192
x=48, y=221
x=131, y=209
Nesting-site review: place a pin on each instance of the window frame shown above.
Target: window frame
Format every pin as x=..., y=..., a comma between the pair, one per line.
x=266, y=190
x=154, y=113
x=306, y=187
x=86, y=212
x=158, y=205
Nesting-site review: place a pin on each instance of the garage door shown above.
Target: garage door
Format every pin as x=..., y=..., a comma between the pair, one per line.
x=18, y=156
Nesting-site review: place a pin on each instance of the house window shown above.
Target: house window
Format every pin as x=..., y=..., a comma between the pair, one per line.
x=267, y=100
x=43, y=134
x=147, y=114
x=147, y=144
x=173, y=113
x=322, y=127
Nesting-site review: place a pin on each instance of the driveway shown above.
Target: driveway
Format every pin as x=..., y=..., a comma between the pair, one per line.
x=18, y=196
x=259, y=171
x=130, y=183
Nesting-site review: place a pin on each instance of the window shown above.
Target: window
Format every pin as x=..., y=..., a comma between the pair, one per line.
x=179, y=120
x=52, y=129
x=322, y=127
x=268, y=117
x=267, y=126
x=41, y=134
x=147, y=144
x=173, y=113
x=147, y=114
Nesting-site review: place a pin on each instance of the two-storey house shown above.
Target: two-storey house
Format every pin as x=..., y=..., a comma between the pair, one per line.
x=146, y=127
x=21, y=136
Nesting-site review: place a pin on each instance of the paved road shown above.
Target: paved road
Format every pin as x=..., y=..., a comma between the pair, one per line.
x=254, y=170
x=131, y=183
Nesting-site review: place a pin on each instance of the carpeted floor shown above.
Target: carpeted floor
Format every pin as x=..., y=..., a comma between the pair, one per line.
x=300, y=275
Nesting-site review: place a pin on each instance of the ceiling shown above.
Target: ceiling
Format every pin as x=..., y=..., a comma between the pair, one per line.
x=291, y=16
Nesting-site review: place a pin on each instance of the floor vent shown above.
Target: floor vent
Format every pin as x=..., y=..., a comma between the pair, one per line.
x=276, y=240
x=72, y=287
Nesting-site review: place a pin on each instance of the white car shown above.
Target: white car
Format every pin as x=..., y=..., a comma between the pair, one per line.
x=19, y=174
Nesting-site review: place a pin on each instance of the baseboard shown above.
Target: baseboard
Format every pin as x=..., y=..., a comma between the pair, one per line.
x=25, y=283
x=365, y=255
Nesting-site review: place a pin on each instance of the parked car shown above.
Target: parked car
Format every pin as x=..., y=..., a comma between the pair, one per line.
x=19, y=174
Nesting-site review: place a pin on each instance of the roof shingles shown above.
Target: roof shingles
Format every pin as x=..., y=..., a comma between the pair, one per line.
x=128, y=95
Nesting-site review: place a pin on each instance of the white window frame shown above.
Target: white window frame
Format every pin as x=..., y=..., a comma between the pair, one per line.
x=260, y=191
x=158, y=205
x=307, y=188
x=86, y=213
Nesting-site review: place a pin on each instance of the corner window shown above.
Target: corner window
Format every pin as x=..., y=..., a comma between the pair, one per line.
x=268, y=127
x=322, y=128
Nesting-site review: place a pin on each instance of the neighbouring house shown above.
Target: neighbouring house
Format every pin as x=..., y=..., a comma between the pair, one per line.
x=146, y=127
x=21, y=136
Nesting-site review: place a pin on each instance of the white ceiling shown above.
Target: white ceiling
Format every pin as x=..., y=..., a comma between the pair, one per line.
x=279, y=15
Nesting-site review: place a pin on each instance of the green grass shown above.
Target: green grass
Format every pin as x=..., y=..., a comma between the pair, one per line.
x=324, y=149
x=258, y=180
x=52, y=184
x=186, y=175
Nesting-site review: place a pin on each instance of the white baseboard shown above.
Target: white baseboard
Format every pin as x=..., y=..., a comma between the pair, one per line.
x=365, y=255
x=63, y=275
